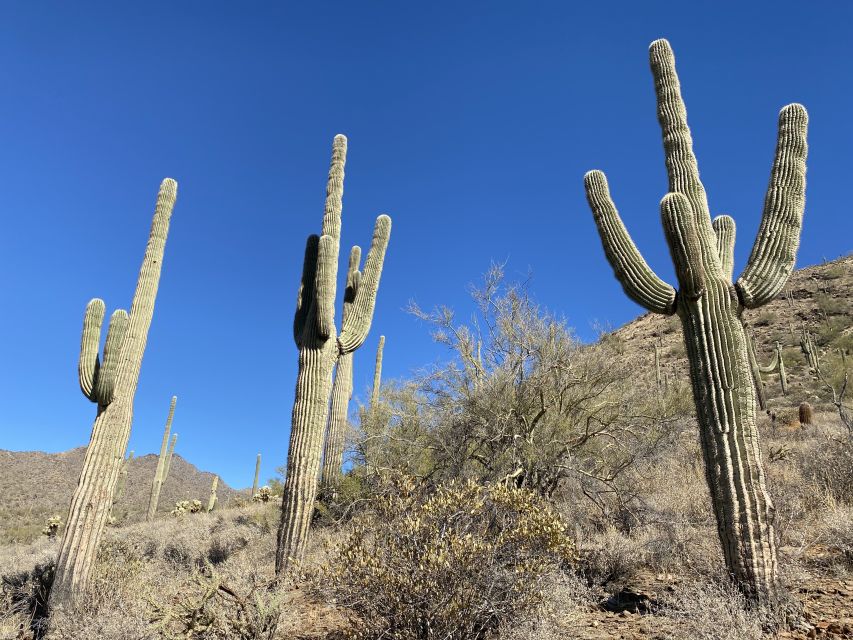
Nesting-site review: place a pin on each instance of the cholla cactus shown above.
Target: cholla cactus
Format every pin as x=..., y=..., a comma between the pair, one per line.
x=320, y=347
x=112, y=385
x=162, y=463
x=710, y=306
x=52, y=527
x=264, y=494
x=184, y=507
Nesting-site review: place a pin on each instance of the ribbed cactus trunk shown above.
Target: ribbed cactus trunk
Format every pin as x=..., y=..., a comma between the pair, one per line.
x=113, y=386
x=710, y=307
x=162, y=464
x=755, y=370
x=257, y=475
x=319, y=349
x=778, y=364
x=170, y=456
x=211, y=501
x=333, y=449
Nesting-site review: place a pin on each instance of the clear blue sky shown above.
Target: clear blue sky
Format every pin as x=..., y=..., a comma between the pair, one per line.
x=471, y=124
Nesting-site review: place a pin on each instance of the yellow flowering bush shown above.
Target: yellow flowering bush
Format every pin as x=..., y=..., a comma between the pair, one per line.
x=451, y=563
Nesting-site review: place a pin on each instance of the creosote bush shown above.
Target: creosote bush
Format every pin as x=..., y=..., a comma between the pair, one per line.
x=452, y=563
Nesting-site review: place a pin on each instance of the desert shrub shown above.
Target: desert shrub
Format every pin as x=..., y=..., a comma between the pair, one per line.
x=184, y=507
x=264, y=494
x=206, y=608
x=611, y=556
x=710, y=611
x=338, y=504
x=831, y=468
x=568, y=600
x=52, y=527
x=452, y=563
x=23, y=601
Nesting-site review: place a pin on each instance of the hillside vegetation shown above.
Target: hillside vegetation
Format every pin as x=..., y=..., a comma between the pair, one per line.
x=591, y=468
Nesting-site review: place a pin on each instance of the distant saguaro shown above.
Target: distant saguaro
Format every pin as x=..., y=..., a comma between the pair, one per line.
x=257, y=473
x=162, y=464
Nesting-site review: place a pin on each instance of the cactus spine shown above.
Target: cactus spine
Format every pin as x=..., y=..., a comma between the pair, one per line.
x=333, y=449
x=710, y=306
x=113, y=387
x=211, y=501
x=122, y=478
x=257, y=473
x=319, y=349
x=778, y=364
x=162, y=464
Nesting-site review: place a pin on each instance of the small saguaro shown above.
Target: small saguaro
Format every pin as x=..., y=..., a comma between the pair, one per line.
x=122, y=478
x=377, y=372
x=111, y=384
x=257, y=474
x=777, y=364
x=709, y=305
x=211, y=501
x=320, y=347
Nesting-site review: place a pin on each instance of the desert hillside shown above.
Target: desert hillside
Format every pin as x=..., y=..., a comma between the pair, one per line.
x=35, y=486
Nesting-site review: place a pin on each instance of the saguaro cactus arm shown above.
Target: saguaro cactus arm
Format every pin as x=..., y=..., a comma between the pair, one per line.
x=306, y=287
x=680, y=227
x=724, y=229
x=330, y=241
x=90, y=344
x=357, y=322
x=775, y=250
x=640, y=283
x=97, y=379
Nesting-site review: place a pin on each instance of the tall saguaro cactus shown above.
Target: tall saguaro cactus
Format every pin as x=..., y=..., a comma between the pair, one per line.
x=377, y=372
x=710, y=305
x=333, y=449
x=169, y=457
x=162, y=464
x=320, y=346
x=122, y=478
x=112, y=385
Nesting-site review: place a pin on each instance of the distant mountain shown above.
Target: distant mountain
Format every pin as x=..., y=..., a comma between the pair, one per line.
x=36, y=485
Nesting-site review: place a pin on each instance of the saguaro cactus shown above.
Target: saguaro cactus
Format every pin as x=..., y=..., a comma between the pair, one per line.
x=211, y=501
x=377, y=372
x=162, y=464
x=760, y=396
x=319, y=348
x=257, y=473
x=778, y=364
x=710, y=306
x=333, y=449
x=122, y=478
x=112, y=385
x=810, y=350
x=170, y=456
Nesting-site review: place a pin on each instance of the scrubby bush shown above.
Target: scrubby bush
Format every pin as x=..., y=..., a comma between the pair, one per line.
x=186, y=506
x=52, y=527
x=264, y=494
x=452, y=563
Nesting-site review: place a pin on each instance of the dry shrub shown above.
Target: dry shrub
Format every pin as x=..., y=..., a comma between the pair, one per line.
x=204, y=607
x=610, y=556
x=453, y=563
x=710, y=611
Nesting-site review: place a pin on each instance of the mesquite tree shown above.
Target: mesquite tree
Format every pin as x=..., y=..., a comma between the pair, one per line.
x=112, y=385
x=710, y=306
x=320, y=347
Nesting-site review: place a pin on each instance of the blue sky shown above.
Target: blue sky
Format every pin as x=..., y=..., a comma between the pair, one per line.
x=471, y=124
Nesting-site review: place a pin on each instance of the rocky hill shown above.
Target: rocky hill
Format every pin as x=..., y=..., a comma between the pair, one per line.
x=819, y=298
x=35, y=485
